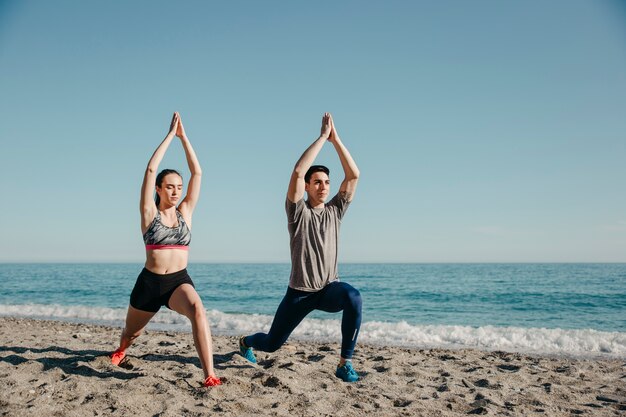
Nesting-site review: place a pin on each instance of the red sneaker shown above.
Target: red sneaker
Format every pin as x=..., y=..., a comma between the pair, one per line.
x=212, y=381
x=117, y=356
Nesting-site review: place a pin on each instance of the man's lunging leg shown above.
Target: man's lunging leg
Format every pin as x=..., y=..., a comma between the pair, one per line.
x=340, y=296
x=292, y=310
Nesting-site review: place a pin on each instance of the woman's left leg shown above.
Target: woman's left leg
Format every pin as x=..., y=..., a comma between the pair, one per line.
x=186, y=301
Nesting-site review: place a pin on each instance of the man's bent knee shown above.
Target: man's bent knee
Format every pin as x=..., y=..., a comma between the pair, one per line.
x=354, y=300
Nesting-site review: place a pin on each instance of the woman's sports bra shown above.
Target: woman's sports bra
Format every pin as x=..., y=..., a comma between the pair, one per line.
x=159, y=236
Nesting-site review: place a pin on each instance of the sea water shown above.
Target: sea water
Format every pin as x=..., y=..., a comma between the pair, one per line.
x=569, y=309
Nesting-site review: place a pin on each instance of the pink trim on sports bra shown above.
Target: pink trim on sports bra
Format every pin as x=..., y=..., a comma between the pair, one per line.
x=159, y=247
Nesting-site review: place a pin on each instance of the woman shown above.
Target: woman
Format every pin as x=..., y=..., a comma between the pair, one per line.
x=166, y=228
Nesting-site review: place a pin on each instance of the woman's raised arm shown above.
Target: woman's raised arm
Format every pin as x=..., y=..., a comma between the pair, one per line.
x=146, y=201
x=188, y=204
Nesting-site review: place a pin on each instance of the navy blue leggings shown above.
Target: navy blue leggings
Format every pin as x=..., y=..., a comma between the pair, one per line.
x=296, y=305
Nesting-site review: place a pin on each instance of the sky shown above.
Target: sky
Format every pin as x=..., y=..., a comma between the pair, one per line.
x=485, y=131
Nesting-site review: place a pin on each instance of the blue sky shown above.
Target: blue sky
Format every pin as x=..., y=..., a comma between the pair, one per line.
x=485, y=131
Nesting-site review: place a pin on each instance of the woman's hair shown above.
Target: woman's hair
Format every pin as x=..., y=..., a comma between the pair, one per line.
x=159, y=181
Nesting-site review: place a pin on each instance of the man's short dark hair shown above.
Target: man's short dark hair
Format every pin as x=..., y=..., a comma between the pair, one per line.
x=313, y=170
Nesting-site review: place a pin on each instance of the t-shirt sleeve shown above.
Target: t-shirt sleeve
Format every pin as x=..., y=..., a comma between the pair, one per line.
x=294, y=210
x=340, y=203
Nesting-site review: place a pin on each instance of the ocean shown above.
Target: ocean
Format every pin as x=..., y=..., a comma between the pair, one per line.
x=556, y=309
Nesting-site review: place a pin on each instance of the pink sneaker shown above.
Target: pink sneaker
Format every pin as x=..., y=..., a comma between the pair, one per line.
x=212, y=381
x=117, y=356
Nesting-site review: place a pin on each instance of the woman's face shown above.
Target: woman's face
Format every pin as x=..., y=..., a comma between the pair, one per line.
x=171, y=190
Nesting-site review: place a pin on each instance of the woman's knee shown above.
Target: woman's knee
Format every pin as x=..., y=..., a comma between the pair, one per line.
x=132, y=335
x=196, y=311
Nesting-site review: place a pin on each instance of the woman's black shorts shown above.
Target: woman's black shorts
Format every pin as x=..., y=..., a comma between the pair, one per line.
x=152, y=290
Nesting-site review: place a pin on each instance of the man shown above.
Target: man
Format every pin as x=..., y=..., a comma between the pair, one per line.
x=314, y=234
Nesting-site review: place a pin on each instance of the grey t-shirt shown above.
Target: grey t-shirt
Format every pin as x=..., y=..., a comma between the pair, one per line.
x=314, y=238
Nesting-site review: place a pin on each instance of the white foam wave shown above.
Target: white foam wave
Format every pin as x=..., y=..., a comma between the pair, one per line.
x=58, y=312
x=580, y=343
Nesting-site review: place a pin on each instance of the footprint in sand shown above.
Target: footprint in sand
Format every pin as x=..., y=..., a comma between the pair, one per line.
x=381, y=369
x=485, y=383
x=267, y=363
x=479, y=411
x=315, y=357
x=128, y=363
x=101, y=362
x=402, y=402
x=480, y=401
x=443, y=388
x=271, y=382
x=509, y=368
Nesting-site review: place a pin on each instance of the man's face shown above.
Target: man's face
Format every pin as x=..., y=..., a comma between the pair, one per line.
x=318, y=188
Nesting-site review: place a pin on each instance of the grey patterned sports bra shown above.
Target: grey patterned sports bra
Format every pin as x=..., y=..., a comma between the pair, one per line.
x=159, y=236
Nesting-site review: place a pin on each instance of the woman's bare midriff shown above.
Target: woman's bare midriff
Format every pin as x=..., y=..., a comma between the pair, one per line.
x=166, y=261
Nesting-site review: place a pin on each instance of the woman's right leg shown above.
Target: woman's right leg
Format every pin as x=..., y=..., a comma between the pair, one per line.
x=186, y=301
x=136, y=321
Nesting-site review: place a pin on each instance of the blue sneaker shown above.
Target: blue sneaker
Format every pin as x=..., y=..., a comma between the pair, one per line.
x=347, y=373
x=245, y=351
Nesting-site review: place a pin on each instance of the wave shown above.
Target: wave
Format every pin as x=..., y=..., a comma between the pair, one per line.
x=577, y=342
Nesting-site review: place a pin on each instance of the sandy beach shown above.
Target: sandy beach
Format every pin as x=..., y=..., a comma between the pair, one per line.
x=62, y=369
